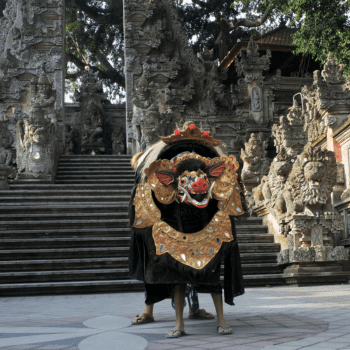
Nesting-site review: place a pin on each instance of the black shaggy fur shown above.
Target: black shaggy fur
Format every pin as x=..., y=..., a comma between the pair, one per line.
x=190, y=165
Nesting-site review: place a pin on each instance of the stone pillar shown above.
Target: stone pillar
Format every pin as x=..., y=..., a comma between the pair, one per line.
x=31, y=44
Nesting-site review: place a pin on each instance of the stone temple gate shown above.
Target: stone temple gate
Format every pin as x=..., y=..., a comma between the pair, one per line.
x=288, y=129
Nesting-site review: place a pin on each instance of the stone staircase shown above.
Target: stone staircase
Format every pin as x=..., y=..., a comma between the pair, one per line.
x=72, y=236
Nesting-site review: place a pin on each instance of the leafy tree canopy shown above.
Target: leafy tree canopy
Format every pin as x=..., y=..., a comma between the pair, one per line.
x=95, y=31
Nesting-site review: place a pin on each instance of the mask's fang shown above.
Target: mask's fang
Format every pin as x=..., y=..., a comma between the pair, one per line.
x=186, y=194
x=210, y=190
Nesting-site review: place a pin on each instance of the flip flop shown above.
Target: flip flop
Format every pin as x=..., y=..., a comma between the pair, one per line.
x=182, y=333
x=144, y=318
x=223, y=328
x=201, y=314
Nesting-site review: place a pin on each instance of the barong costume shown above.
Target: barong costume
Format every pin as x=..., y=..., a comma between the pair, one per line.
x=182, y=216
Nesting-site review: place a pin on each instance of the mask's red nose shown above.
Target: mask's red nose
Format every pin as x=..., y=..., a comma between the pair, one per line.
x=200, y=186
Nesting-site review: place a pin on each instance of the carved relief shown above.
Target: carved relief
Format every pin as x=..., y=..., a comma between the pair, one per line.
x=256, y=99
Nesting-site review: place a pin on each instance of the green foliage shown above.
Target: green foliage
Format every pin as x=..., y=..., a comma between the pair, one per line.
x=323, y=28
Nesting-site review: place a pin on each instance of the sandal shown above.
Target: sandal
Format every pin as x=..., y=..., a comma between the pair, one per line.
x=223, y=330
x=142, y=319
x=182, y=333
x=201, y=314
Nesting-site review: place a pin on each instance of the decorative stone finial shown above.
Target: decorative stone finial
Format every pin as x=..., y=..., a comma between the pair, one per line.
x=332, y=71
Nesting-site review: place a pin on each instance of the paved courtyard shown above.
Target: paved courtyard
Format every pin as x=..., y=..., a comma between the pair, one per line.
x=278, y=318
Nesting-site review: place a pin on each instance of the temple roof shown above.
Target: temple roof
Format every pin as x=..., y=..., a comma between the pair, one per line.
x=278, y=39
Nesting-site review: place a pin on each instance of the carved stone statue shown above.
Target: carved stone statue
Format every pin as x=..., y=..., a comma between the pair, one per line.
x=255, y=163
x=141, y=102
x=91, y=98
x=312, y=218
x=117, y=137
x=211, y=92
x=36, y=145
x=6, y=169
x=43, y=96
x=71, y=141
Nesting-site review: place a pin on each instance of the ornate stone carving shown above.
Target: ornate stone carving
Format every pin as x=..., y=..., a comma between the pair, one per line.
x=91, y=98
x=251, y=65
x=36, y=145
x=43, y=95
x=332, y=71
x=118, y=137
x=289, y=135
x=152, y=127
x=256, y=99
x=312, y=181
x=255, y=162
x=71, y=140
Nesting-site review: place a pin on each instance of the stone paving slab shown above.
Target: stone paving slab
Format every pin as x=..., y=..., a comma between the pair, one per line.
x=278, y=318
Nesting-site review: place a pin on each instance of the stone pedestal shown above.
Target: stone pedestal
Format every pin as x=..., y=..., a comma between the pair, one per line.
x=316, y=273
x=3, y=180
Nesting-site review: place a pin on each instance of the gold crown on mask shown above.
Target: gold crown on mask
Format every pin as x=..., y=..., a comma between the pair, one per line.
x=192, y=133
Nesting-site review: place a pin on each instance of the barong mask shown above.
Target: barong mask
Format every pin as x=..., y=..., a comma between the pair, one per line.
x=193, y=185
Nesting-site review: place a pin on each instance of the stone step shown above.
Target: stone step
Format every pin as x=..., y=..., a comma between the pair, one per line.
x=62, y=216
x=96, y=173
x=50, y=243
x=252, y=229
x=73, y=187
x=259, y=247
x=95, y=181
x=46, y=207
x=121, y=176
x=255, y=238
x=263, y=280
x=65, y=193
x=51, y=288
x=63, y=264
x=96, y=169
x=97, y=286
x=258, y=258
x=95, y=165
x=66, y=253
x=18, y=200
x=47, y=224
x=64, y=276
x=66, y=232
x=262, y=268
x=102, y=274
x=101, y=158
x=248, y=221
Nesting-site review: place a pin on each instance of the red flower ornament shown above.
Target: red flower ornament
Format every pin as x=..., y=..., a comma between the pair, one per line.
x=177, y=132
x=192, y=127
x=206, y=133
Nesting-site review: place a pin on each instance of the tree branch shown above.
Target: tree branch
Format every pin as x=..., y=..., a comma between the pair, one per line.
x=244, y=22
x=93, y=13
x=200, y=3
x=72, y=58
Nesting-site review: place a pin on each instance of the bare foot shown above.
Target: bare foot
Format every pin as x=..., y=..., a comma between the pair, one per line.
x=142, y=319
x=175, y=333
x=224, y=330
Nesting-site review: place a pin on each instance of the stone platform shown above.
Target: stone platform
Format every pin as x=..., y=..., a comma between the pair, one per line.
x=278, y=318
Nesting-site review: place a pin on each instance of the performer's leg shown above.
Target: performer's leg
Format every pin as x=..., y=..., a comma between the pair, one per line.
x=179, y=300
x=217, y=298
